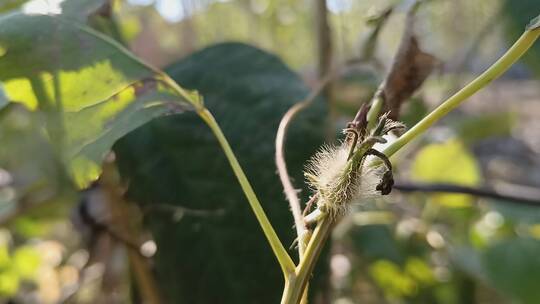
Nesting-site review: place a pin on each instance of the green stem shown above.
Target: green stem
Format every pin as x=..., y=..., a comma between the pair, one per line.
x=284, y=259
x=373, y=113
x=497, y=69
x=295, y=287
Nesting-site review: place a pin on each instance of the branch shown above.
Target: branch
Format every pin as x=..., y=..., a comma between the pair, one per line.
x=144, y=278
x=179, y=211
x=480, y=192
x=286, y=263
x=410, y=68
x=324, y=43
x=98, y=226
x=517, y=50
x=281, y=164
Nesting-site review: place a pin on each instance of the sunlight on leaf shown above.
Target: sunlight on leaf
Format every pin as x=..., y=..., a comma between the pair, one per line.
x=447, y=162
x=9, y=282
x=91, y=90
x=26, y=261
x=392, y=279
x=4, y=256
x=419, y=270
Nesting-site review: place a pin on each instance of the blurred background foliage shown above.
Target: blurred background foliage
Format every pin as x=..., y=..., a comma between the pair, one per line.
x=251, y=60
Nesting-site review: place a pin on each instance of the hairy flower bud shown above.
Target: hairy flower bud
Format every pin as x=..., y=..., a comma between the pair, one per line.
x=339, y=181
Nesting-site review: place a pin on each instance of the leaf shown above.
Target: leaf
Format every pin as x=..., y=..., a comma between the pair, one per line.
x=394, y=282
x=517, y=213
x=26, y=261
x=376, y=242
x=410, y=68
x=98, y=14
x=82, y=9
x=9, y=282
x=176, y=161
x=469, y=261
x=513, y=267
x=448, y=162
x=413, y=111
x=471, y=129
x=30, y=179
x=91, y=89
x=418, y=269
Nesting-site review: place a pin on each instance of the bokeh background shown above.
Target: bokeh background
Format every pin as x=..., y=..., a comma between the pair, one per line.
x=251, y=60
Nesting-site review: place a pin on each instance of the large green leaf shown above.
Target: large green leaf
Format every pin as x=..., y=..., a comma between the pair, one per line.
x=221, y=255
x=513, y=267
x=510, y=266
x=447, y=162
x=91, y=89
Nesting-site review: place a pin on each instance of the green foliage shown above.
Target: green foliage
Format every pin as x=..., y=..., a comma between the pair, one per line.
x=176, y=161
x=385, y=248
x=513, y=267
x=9, y=283
x=25, y=261
x=414, y=110
x=17, y=266
x=399, y=282
x=447, y=162
x=391, y=279
x=471, y=129
x=87, y=104
x=82, y=9
x=8, y=5
x=39, y=178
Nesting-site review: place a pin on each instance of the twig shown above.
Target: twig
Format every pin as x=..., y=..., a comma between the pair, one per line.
x=98, y=226
x=146, y=282
x=410, y=68
x=324, y=44
x=517, y=50
x=453, y=188
x=281, y=164
x=183, y=210
x=309, y=204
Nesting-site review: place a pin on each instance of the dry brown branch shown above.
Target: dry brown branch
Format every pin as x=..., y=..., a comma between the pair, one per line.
x=324, y=40
x=146, y=282
x=506, y=197
x=290, y=191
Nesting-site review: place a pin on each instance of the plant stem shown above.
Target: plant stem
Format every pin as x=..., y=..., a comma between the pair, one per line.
x=497, y=69
x=295, y=287
x=284, y=259
x=507, y=197
x=376, y=107
x=281, y=164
